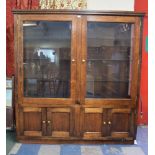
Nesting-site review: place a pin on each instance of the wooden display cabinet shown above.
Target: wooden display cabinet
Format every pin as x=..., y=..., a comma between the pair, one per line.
x=77, y=76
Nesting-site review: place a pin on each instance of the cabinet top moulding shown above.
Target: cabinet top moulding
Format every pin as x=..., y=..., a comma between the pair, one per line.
x=80, y=12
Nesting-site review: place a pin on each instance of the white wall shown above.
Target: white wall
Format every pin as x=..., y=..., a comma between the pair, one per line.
x=125, y=5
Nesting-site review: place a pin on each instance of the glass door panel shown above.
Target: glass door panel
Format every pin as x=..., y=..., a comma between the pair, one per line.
x=109, y=60
x=47, y=59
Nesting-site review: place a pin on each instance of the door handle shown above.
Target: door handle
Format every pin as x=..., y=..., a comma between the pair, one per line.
x=73, y=60
x=49, y=122
x=109, y=123
x=83, y=61
x=104, y=123
x=43, y=122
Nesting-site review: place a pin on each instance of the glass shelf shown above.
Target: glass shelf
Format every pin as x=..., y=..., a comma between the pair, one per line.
x=107, y=60
x=106, y=81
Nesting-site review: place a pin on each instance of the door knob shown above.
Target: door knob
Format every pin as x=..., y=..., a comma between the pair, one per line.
x=44, y=122
x=104, y=123
x=48, y=122
x=79, y=16
x=73, y=60
x=83, y=60
x=109, y=123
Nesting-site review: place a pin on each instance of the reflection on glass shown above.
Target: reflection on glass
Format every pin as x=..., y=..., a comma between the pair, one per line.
x=109, y=60
x=47, y=59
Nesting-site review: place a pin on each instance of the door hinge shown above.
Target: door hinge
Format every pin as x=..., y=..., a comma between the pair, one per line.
x=136, y=99
x=138, y=62
x=135, y=112
x=18, y=110
x=140, y=22
x=141, y=108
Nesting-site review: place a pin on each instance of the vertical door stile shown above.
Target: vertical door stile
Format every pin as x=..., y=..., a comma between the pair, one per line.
x=44, y=120
x=21, y=121
x=79, y=50
x=82, y=111
x=71, y=120
x=16, y=47
x=136, y=57
x=20, y=60
x=49, y=126
x=83, y=60
x=73, y=59
x=104, y=123
x=109, y=119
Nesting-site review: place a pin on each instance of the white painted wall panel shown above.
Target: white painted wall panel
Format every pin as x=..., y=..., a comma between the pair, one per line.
x=120, y=5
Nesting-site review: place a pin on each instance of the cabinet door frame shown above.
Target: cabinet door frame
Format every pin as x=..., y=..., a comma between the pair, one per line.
x=19, y=19
x=135, y=65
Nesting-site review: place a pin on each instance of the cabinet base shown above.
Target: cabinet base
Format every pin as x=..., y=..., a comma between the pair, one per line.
x=43, y=140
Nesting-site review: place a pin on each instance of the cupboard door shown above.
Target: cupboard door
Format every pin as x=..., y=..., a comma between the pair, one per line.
x=60, y=122
x=47, y=65
x=109, y=60
x=92, y=120
x=119, y=123
x=33, y=121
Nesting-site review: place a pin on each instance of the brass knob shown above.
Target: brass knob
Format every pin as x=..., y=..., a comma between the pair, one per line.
x=44, y=122
x=109, y=122
x=83, y=60
x=73, y=60
x=48, y=122
x=104, y=123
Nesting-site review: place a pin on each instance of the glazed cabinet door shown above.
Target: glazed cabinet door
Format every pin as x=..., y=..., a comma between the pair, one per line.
x=46, y=59
x=110, y=60
x=32, y=121
x=60, y=122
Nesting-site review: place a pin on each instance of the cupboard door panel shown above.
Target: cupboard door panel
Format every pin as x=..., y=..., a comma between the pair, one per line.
x=119, y=122
x=35, y=123
x=92, y=122
x=59, y=122
x=34, y=120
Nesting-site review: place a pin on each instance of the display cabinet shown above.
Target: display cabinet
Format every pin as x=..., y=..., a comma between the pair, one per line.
x=77, y=75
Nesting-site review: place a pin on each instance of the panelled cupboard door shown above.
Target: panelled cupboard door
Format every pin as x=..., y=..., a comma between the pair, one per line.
x=60, y=122
x=92, y=122
x=110, y=54
x=120, y=123
x=32, y=121
x=46, y=59
x=98, y=123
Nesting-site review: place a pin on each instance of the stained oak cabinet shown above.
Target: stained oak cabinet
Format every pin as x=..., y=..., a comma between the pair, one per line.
x=77, y=75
